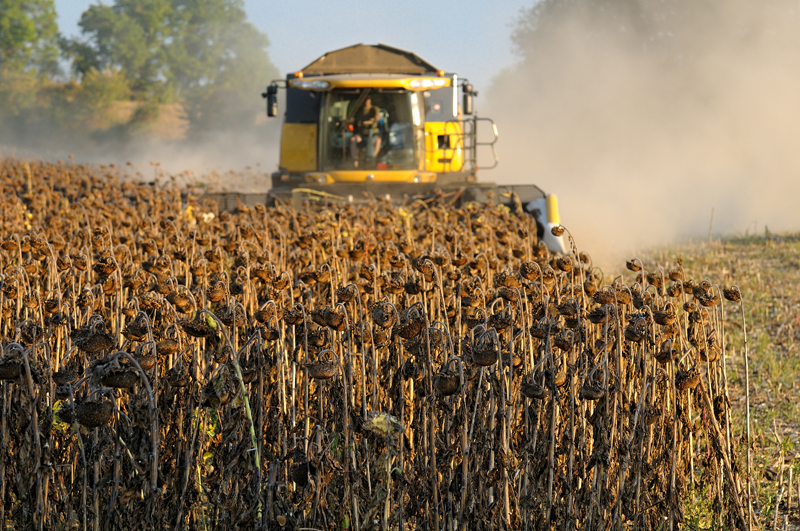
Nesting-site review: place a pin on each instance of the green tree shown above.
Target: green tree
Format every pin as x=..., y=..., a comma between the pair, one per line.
x=203, y=54
x=28, y=36
x=98, y=92
x=219, y=63
x=130, y=37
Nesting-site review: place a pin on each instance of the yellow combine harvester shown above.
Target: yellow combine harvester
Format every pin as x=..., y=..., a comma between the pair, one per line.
x=379, y=120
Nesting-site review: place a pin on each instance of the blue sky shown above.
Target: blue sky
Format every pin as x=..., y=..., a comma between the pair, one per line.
x=467, y=37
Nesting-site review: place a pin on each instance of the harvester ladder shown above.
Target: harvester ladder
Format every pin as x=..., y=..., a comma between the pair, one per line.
x=467, y=140
x=471, y=143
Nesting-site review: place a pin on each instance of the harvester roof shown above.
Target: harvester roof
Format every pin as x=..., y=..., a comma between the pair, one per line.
x=376, y=81
x=369, y=59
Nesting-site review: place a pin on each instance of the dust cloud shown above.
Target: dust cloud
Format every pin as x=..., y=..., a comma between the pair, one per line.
x=219, y=159
x=643, y=117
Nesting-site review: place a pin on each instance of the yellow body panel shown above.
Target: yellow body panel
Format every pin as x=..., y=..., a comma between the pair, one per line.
x=299, y=147
x=444, y=147
x=362, y=176
x=552, y=209
x=415, y=83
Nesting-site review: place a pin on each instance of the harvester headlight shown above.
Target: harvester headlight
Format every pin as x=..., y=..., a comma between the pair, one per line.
x=416, y=178
x=321, y=179
x=427, y=82
x=370, y=176
x=311, y=84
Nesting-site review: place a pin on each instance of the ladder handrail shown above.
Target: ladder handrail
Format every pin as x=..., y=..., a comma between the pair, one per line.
x=467, y=140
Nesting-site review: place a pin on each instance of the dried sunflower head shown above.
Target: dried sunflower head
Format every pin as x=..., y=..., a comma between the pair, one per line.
x=624, y=296
x=709, y=300
x=642, y=299
x=384, y=315
x=665, y=353
x=732, y=294
x=664, y=318
x=63, y=263
x=92, y=414
x=689, y=286
x=589, y=287
x=675, y=290
x=532, y=389
x=346, y=294
x=202, y=325
x=31, y=301
x=529, y=270
x=591, y=391
x=655, y=279
x=564, y=263
x=80, y=261
x=217, y=291
x=181, y=301
x=603, y=297
x=282, y=281
x=687, y=379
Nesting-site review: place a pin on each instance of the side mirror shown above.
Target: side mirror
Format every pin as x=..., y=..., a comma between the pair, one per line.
x=272, y=100
x=468, y=94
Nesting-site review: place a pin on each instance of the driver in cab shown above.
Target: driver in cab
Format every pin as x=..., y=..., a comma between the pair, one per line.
x=366, y=124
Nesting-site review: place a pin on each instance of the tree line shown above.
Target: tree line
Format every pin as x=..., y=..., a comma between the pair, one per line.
x=184, y=66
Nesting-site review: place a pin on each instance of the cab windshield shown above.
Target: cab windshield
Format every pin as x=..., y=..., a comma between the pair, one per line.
x=371, y=129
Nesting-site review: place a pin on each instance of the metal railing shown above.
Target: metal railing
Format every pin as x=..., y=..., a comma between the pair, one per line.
x=466, y=133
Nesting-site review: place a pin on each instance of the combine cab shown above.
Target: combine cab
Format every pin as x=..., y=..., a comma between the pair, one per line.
x=379, y=120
